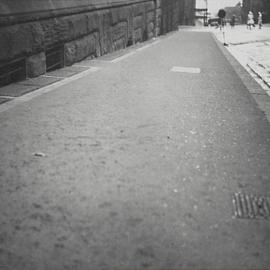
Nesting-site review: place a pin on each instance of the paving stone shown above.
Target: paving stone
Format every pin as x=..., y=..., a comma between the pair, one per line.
x=86, y=62
x=16, y=89
x=66, y=72
x=76, y=68
x=39, y=81
x=61, y=73
x=36, y=65
x=3, y=100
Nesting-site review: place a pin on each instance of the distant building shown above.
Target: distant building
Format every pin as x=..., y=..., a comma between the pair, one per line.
x=236, y=11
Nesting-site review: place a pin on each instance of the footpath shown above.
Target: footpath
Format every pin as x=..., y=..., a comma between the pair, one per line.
x=251, y=48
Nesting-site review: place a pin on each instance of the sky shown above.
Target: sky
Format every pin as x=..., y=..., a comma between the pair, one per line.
x=215, y=5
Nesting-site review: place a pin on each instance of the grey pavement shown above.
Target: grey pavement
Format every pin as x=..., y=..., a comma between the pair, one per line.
x=135, y=166
x=241, y=35
x=251, y=48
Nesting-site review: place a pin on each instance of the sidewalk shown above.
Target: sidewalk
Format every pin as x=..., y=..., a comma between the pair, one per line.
x=14, y=91
x=251, y=48
x=241, y=35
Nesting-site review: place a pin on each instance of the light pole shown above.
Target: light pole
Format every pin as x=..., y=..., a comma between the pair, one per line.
x=206, y=4
x=206, y=12
x=242, y=11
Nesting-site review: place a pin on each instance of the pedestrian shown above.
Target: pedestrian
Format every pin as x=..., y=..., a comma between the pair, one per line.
x=250, y=20
x=221, y=16
x=260, y=20
x=220, y=23
x=232, y=21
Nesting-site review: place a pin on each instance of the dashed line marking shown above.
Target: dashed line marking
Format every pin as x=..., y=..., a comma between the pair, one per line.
x=186, y=69
x=46, y=89
x=118, y=59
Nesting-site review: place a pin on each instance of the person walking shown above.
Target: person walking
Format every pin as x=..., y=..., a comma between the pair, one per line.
x=222, y=15
x=232, y=21
x=260, y=20
x=250, y=20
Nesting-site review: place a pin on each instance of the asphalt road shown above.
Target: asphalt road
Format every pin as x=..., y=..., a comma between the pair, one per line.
x=137, y=166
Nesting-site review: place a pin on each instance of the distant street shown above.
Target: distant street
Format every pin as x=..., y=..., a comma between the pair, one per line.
x=158, y=159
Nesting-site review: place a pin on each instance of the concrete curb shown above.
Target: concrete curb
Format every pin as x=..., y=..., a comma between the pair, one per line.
x=261, y=98
x=248, y=42
x=260, y=71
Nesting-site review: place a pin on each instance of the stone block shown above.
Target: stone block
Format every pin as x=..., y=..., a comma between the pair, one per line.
x=77, y=25
x=138, y=9
x=79, y=49
x=150, y=16
x=150, y=29
x=93, y=21
x=138, y=22
x=158, y=3
x=6, y=51
x=60, y=30
x=119, y=33
x=55, y=31
x=138, y=35
x=18, y=40
x=36, y=65
x=149, y=5
x=105, y=31
x=120, y=14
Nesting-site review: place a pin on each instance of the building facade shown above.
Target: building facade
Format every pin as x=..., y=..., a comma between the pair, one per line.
x=39, y=36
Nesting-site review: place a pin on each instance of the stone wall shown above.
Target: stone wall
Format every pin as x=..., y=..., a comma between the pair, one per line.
x=30, y=29
x=189, y=12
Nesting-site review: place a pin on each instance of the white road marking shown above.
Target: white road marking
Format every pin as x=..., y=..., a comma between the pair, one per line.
x=186, y=69
x=118, y=59
x=46, y=89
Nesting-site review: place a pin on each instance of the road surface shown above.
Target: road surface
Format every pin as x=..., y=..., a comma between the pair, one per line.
x=136, y=165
